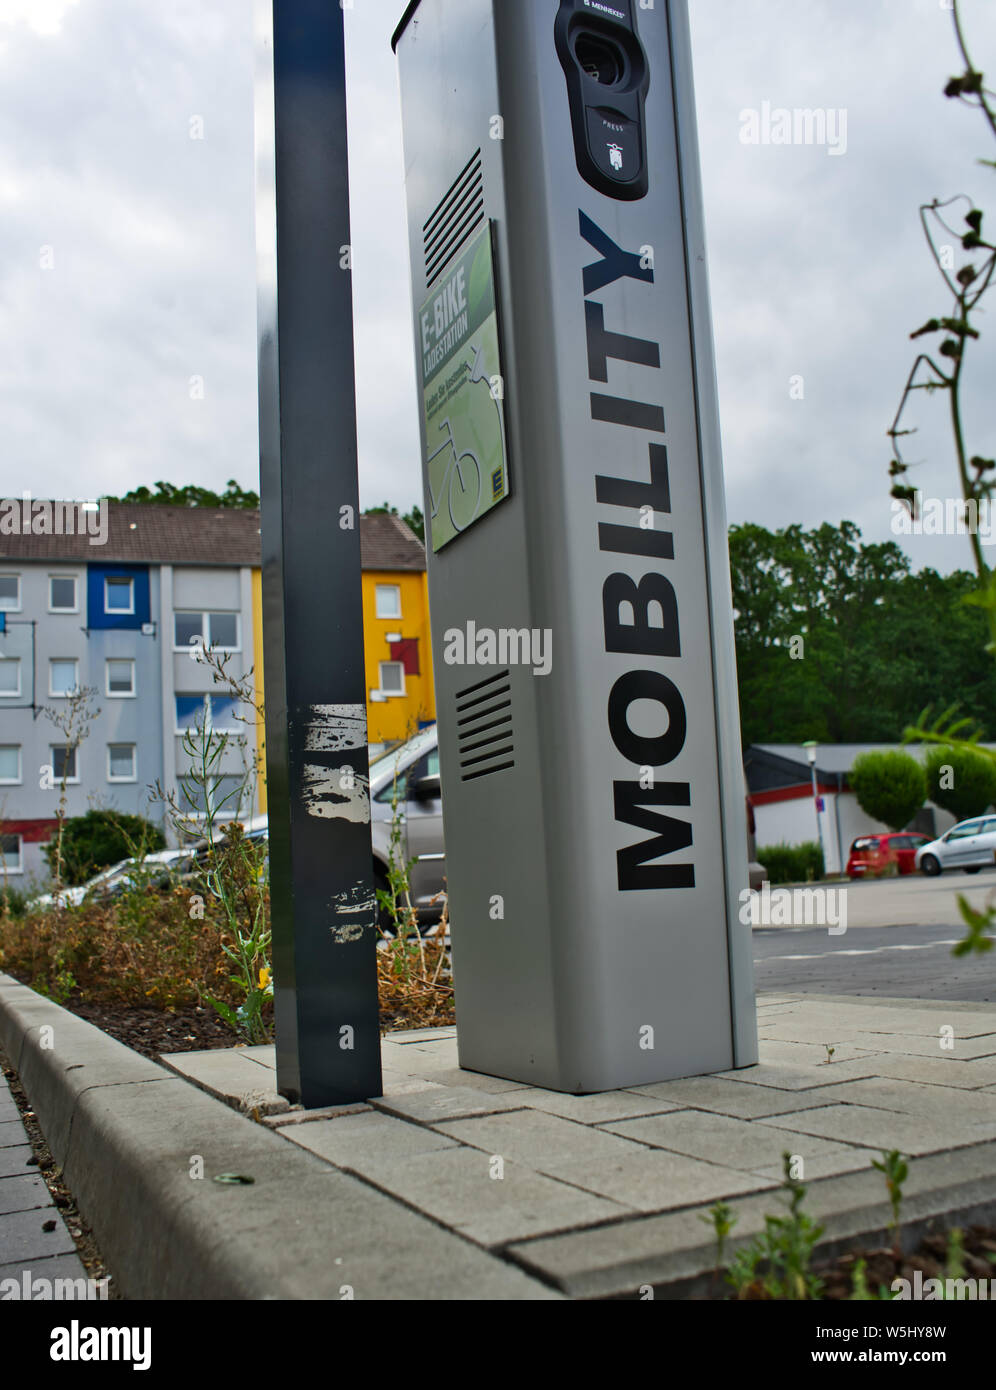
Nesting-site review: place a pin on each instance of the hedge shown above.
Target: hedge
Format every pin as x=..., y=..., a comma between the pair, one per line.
x=793, y=863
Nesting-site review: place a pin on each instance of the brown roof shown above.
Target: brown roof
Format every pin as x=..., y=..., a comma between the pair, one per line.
x=386, y=543
x=150, y=534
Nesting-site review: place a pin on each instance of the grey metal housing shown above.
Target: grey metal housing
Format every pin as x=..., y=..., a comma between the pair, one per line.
x=580, y=962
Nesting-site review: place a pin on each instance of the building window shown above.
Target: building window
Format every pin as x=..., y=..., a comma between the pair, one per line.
x=10, y=677
x=62, y=593
x=191, y=712
x=217, y=631
x=225, y=797
x=120, y=678
x=119, y=594
x=64, y=764
x=10, y=763
x=11, y=860
x=388, y=600
x=392, y=678
x=10, y=593
x=121, y=762
x=215, y=713
x=63, y=677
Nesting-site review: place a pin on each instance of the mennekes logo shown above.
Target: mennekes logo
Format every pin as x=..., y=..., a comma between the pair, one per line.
x=653, y=603
x=604, y=9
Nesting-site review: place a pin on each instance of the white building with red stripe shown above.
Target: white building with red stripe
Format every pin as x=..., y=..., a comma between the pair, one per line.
x=788, y=810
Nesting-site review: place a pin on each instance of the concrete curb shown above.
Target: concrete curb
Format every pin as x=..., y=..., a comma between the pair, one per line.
x=131, y=1135
x=128, y=1135
x=674, y=1254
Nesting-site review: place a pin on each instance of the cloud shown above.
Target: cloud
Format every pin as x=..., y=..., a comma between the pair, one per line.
x=41, y=16
x=817, y=264
x=127, y=264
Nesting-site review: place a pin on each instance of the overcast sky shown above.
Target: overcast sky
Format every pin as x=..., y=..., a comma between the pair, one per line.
x=127, y=262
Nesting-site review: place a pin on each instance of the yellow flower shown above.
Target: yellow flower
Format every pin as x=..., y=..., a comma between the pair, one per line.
x=264, y=977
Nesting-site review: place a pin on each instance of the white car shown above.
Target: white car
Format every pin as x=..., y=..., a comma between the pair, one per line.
x=970, y=845
x=415, y=764
x=169, y=859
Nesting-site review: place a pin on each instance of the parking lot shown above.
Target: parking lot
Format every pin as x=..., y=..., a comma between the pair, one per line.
x=915, y=900
x=898, y=943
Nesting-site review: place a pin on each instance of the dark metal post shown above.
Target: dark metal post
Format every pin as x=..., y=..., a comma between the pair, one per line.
x=323, y=904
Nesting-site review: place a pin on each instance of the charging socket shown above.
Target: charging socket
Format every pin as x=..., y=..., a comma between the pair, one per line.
x=607, y=83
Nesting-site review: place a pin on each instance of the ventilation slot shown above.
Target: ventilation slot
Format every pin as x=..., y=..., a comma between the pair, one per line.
x=484, y=728
x=460, y=213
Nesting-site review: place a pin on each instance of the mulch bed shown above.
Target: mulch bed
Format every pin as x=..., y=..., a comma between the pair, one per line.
x=152, y=1031
x=883, y=1266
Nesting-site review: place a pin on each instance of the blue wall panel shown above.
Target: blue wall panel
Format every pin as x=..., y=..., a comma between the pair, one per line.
x=97, y=615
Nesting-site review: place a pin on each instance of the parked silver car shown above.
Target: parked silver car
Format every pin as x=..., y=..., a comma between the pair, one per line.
x=415, y=764
x=414, y=767
x=970, y=845
x=157, y=867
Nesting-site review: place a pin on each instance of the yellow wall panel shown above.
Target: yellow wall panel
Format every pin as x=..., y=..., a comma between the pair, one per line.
x=397, y=717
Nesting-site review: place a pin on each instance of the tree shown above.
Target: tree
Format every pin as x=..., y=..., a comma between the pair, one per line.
x=961, y=781
x=890, y=787
x=98, y=839
x=190, y=495
x=415, y=521
x=808, y=655
x=73, y=720
x=838, y=641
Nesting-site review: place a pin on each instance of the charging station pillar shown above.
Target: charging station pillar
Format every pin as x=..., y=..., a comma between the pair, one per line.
x=324, y=910
x=593, y=786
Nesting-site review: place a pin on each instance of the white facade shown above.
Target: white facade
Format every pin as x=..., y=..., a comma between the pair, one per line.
x=794, y=821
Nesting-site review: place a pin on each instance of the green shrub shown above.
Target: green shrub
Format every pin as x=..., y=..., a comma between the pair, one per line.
x=101, y=838
x=890, y=787
x=793, y=863
x=13, y=901
x=960, y=781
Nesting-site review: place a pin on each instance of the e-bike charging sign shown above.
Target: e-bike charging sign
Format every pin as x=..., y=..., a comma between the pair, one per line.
x=463, y=417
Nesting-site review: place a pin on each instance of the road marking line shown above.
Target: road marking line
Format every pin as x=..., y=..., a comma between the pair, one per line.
x=870, y=951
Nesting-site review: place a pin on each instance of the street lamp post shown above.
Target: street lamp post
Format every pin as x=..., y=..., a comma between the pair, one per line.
x=811, y=748
x=322, y=891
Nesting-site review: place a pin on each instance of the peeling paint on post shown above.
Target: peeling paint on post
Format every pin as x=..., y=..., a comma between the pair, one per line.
x=336, y=792
x=324, y=908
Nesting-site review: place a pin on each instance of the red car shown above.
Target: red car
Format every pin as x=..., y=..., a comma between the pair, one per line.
x=874, y=855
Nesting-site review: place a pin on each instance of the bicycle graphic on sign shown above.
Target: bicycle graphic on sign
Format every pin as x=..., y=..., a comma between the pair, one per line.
x=462, y=483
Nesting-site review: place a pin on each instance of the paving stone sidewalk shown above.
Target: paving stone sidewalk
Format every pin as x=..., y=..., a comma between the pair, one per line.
x=34, y=1242
x=569, y=1183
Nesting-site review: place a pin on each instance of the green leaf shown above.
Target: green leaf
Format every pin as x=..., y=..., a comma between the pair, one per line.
x=226, y=1013
x=979, y=924
x=976, y=920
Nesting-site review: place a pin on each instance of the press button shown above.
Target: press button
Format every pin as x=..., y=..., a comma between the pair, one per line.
x=614, y=143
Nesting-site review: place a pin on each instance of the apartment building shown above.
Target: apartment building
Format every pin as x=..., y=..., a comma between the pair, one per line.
x=126, y=618
x=126, y=613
